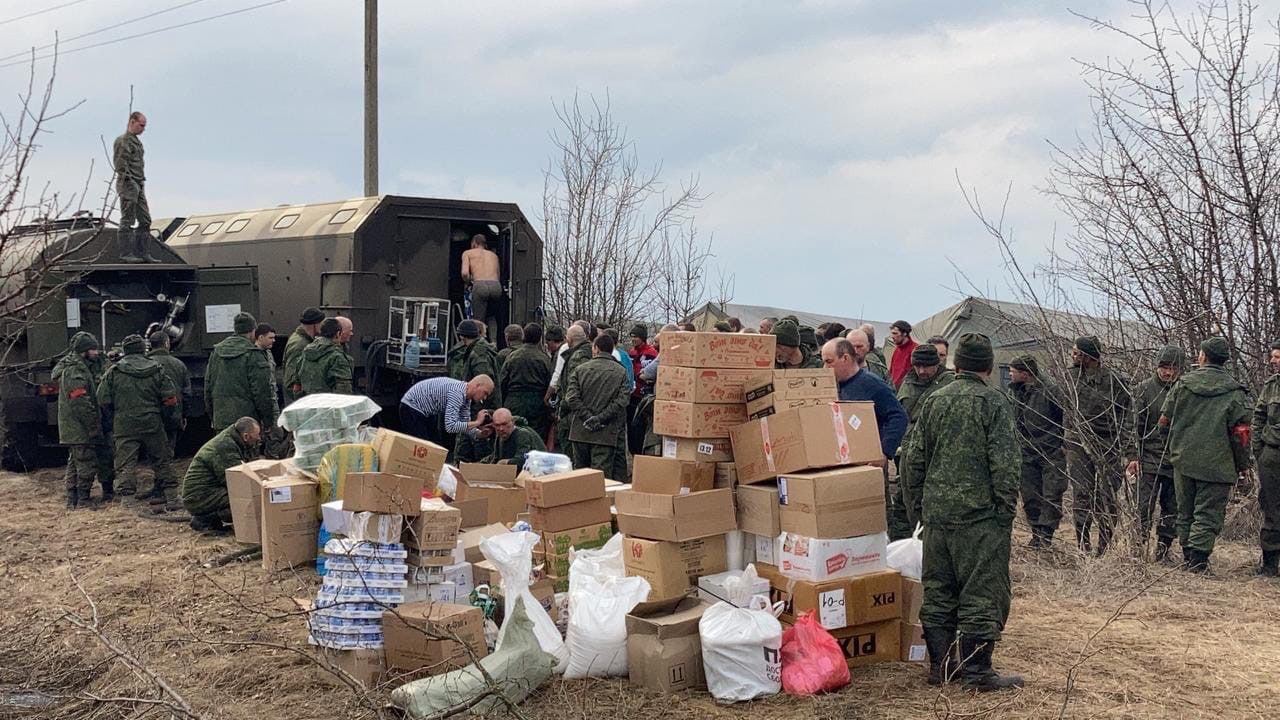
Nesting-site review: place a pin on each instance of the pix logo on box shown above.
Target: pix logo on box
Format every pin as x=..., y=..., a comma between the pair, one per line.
x=883, y=599
x=859, y=645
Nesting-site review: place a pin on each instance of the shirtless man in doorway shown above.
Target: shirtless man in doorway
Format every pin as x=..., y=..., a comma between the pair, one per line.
x=480, y=268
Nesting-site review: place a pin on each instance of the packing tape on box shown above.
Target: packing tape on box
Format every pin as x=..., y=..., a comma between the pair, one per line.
x=768, y=446
x=842, y=440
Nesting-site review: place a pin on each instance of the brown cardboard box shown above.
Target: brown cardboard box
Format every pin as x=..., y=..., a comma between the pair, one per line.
x=589, y=537
x=565, y=488
x=664, y=650
x=435, y=527
x=717, y=350
x=675, y=517
x=428, y=558
x=488, y=474
x=483, y=572
x=673, y=567
x=367, y=666
x=504, y=503
x=911, y=644
x=704, y=449
x=472, y=538
x=244, y=490
x=567, y=517
x=772, y=405
x=875, y=597
x=912, y=597
x=475, y=511
x=839, y=503
x=702, y=385
x=726, y=475
x=544, y=591
x=758, y=510
x=290, y=509
x=696, y=420
x=380, y=492
x=402, y=454
x=410, y=648
x=806, y=439
x=666, y=476
x=809, y=383
x=870, y=644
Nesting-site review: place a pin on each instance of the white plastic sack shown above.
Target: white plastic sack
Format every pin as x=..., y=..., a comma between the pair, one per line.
x=538, y=463
x=512, y=554
x=741, y=651
x=447, y=483
x=740, y=589
x=907, y=555
x=597, y=637
x=601, y=564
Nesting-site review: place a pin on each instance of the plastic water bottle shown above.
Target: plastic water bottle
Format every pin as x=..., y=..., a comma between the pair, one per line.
x=412, y=352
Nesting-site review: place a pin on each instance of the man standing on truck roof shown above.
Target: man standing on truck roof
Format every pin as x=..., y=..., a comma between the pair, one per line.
x=307, y=330
x=326, y=366
x=130, y=181
x=480, y=268
x=237, y=382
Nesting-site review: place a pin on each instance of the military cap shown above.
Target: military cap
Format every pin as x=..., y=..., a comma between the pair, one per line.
x=1090, y=345
x=925, y=355
x=311, y=316
x=84, y=342
x=791, y=319
x=787, y=333
x=469, y=329
x=243, y=323
x=723, y=326
x=1025, y=363
x=1216, y=350
x=1171, y=355
x=640, y=330
x=554, y=333
x=808, y=336
x=133, y=345
x=974, y=353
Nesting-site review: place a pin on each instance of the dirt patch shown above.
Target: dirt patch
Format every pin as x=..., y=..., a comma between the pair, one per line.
x=228, y=641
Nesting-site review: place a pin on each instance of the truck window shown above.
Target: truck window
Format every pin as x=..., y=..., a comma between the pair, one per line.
x=189, y=230
x=212, y=228
x=237, y=225
x=342, y=216
x=285, y=221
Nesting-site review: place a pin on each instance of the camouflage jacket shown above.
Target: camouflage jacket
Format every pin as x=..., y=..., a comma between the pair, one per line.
x=466, y=362
x=963, y=464
x=573, y=358
x=598, y=388
x=1038, y=415
x=522, y=441
x=298, y=341
x=127, y=156
x=1207, y=414
x=1151, y=437
x=326, y=368
x=528, y=367
x=138, y=394
x=808, y=361
x=204, y=487
x=79, y=421
x=877, y=366
x=1266, y=416
x=1102, y=406
x=178, y=375
x=237, y=384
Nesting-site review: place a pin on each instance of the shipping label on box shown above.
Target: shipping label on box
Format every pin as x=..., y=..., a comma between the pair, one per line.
x=840, y=503
x=402, y=454
x=380, y=492
x=565, y=488
x=703, y=449
x=818, y=559
x=671, y=476
x=290, y=510
x=806, y=439
x=244, y=491
x=696, y=420
x=419, y=637
x=768, y=550
x=758, y=510
x=568, y=517
x=675, y=517
x=699, y=385
x=865, y=645
x=911, y=644
x=664, y=650
x=873, y=597
x=673, y=567
x=435, y=527
x=717, y=350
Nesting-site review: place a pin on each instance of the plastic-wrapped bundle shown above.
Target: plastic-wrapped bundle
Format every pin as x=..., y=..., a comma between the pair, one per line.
x=322, y=421
x=337, y=463
x=538, y=463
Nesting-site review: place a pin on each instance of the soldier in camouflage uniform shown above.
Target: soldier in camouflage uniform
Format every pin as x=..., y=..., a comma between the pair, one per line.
x=473, y=357
x=513, y=439
x=237, y=382
x=326, y=367
x=791, y=352
x=1265, y=438
x=1155, y=472
x=512, y=336
x=80, y=422
x=1096, y=441
x=307, y=330
x=579, y=353
x=964, y=469
x=1038, y=412
x=204, y=487
x=926, y=375
x=131, y=177
x=1207, y=414
x=526, y=375
x=866, y=353
x=143, y=401
x=178, y=375
x=597, y=397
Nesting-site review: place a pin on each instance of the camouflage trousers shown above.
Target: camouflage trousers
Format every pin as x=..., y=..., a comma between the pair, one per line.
x=895, y=509
x=84, y=463
x=564, y=445
x=157, y=447
x=1157, y=491
x=211, y=503
x=608, y=459
x=1202, y=511
x=1269, y=497
x=1096, y=478
x=530, y=405
x=1044, y=482
x=966, y=578
x=133, y=206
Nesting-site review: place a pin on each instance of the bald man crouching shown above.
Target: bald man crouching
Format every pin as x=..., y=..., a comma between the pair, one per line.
x=513, y=439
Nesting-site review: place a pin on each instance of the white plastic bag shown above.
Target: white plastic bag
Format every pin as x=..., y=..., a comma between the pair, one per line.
x=538, y=463
x=741, y=589
x=512, y=554
x=601, y=564
x=597, y=637
x=907, y=555
x=447, y=483
x=741, y=651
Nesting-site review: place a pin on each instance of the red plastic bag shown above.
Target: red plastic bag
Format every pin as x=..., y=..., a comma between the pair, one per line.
x=812, y=661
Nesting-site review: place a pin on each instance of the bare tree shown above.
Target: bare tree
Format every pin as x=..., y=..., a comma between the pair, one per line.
x=618, y=246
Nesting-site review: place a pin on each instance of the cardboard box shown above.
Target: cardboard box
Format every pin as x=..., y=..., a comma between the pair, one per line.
x=911, y=644
x=496, y=484
x=485, y=573
x=435, y=527
x=726, y=475
x=840, y=503
x=758, y=510
x=568, y=517
x=488, y=474
x=380, y=492
x=290, y=521
x=806, y=439
x=865, y=645
x=544, y=591
x=673, y=567
x=714, y=588
x=717, y=350
x=808, y=383
x=768, y=550
x=475, y=511
x=367, y=667
x=664, y=650
x=565, y=488
x=772, y=405
x=912, y=597
x=472, y=538
x=402, y=454
x=819, y=559
x=675, y=517
x=668, y=476
x=411, y=648
x=696, y=420
x=244, y=490
x=704, y=449
x=702, y=385
x=874, y=597
x=589, y=537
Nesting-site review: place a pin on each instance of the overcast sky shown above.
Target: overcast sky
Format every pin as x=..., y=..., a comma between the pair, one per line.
x=828, y=134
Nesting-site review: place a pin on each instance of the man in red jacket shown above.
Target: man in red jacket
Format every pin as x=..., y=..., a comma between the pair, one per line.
x=900, y=363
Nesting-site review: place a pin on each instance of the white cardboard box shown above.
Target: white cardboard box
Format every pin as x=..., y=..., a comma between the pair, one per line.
x=768, y=550
x=819, y=559
x=711, y=588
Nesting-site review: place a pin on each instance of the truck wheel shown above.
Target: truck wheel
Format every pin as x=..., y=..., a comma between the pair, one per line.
x=21, y=449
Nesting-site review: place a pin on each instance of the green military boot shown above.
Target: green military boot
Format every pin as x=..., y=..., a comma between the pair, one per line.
x=73, y=498
x=976, y=672
x=941, y=643
x=1270, y=566
x=1195, y=561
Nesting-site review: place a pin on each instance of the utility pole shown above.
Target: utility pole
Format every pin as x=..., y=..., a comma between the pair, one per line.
x=370, y=97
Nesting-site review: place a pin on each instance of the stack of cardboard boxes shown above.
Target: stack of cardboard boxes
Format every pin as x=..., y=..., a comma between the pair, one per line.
x=568, y=509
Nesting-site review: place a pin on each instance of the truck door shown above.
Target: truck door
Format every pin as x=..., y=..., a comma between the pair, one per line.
x=221, y=293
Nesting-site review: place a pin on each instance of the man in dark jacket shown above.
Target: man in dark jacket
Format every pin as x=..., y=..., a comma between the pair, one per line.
x=597, y=398
x=1096, y=441
x=178, y=375
x=80, y=422
x=925, y=376
x=307, y=330
x=578, y=354
x=1038, y=412
x=237, y=382
x=1207, y=414
x=513, y=439
x=143, y=402
x=1152, y=466
x=326, y=366
x=526, y=375
x=472, y=357
x=204, y=487
x=791, y=353
x=1265, y=438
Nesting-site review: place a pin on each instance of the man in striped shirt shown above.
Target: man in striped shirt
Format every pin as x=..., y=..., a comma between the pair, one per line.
x=438, y=408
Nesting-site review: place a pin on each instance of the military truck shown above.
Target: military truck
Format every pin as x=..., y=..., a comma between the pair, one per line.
x=62, y=276
x=390, y=263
